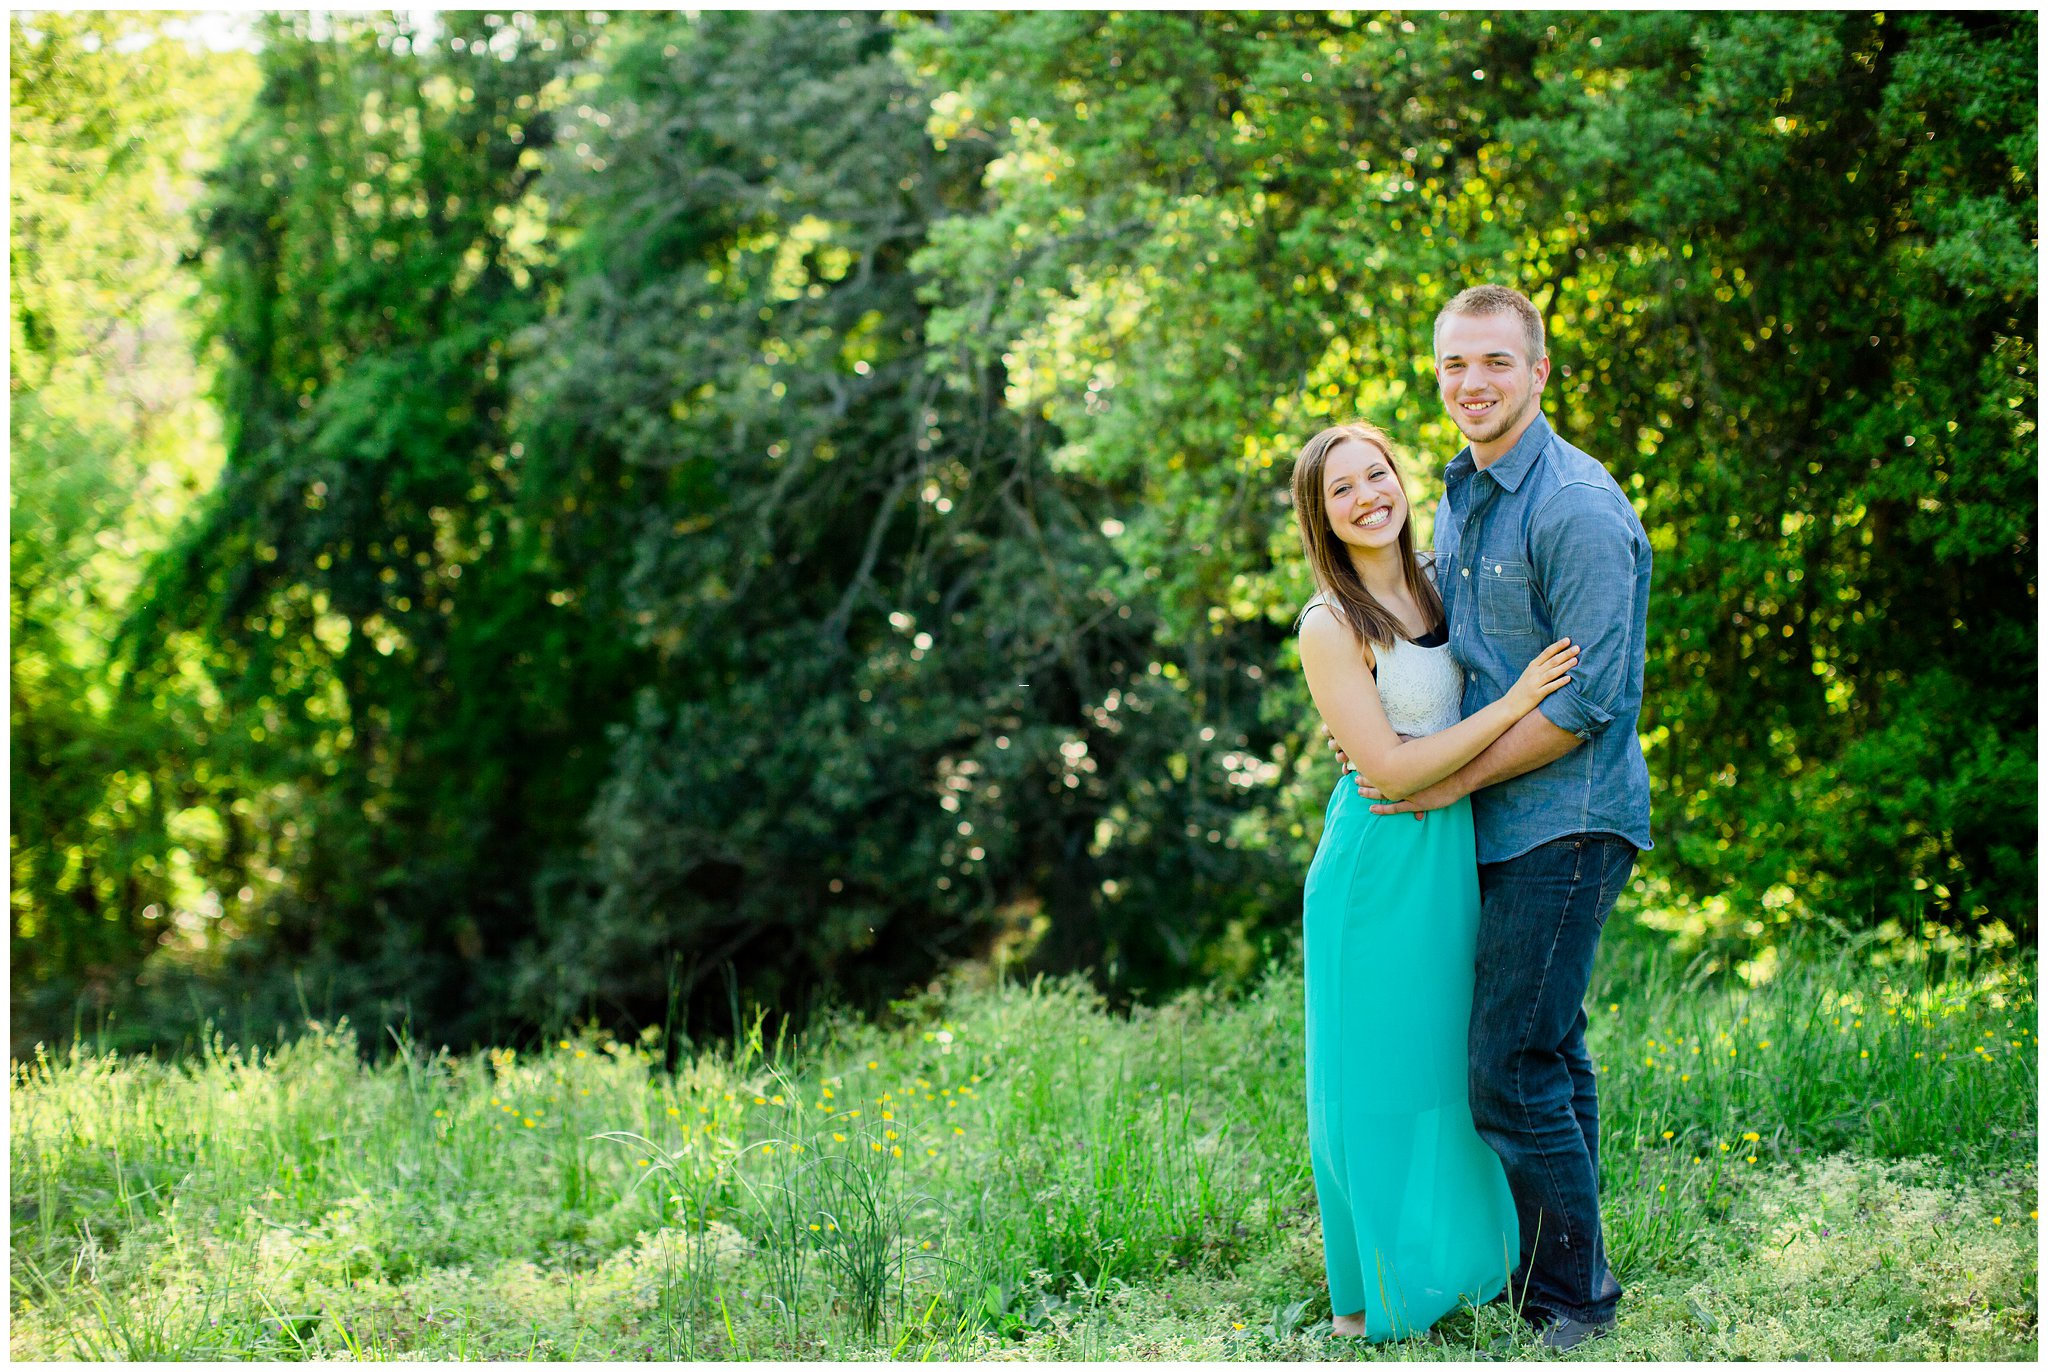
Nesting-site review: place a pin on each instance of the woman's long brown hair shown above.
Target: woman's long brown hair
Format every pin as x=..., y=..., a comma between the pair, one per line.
x=1330, y=559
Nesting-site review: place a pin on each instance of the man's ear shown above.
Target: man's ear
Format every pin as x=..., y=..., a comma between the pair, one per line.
x=1541, y=371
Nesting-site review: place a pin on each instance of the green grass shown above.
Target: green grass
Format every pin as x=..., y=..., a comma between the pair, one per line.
x=1839, y=1163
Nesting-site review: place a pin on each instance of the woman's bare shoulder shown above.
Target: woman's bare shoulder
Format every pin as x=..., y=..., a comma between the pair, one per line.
x=1328, y=633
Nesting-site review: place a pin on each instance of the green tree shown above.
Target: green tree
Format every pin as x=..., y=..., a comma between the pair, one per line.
x=896, y=711
x=805, y=493
x=374, y=244
x=112, y=122
x=1212, y=233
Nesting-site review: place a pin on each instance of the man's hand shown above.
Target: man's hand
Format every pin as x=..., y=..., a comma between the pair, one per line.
x=1428, y=798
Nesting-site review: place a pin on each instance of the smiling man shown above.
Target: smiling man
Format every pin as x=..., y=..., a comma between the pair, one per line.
x=1535, y=542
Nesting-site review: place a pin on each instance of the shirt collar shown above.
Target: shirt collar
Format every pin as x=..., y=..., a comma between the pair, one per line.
x=1509, y=469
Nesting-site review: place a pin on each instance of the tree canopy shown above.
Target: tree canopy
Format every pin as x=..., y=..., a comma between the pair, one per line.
x=803, y=495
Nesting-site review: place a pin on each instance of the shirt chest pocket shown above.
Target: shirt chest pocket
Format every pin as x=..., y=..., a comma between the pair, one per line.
x=1507, y=604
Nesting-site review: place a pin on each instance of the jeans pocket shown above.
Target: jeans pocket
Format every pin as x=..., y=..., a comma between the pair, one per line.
x=1617, y=863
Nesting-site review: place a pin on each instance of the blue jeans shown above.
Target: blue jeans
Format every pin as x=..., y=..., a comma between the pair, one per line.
x=1533, y=1100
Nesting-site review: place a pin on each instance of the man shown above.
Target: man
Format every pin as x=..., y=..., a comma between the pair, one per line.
x=1535, y=542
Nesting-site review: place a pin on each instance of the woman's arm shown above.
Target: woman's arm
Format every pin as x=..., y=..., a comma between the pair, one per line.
x=1349, y=699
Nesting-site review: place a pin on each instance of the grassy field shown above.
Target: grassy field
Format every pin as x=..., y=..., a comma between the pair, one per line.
x=1838, y=1164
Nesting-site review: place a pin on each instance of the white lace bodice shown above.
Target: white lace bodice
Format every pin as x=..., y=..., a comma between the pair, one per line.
x=1421, y=689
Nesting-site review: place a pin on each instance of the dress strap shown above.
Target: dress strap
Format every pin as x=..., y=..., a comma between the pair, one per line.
x=1314, y=601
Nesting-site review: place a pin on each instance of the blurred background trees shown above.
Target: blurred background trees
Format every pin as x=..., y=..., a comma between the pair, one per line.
x=111, y=841
x=769, y=505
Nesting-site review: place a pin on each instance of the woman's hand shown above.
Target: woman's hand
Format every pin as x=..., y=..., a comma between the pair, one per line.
x=1546, y=674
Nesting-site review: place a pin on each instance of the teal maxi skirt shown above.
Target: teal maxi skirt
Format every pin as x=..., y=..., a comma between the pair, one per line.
x=1417, y=1215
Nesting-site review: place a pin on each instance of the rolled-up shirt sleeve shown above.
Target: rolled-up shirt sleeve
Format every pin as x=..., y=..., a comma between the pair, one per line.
x=1585, y=545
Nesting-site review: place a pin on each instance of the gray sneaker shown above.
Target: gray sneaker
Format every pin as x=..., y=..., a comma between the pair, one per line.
x=1562, y=1335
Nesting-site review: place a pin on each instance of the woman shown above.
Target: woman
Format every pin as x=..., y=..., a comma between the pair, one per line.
x=1417, y=1216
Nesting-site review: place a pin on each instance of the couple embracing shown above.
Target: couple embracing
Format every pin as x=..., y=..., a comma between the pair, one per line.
x=1487, y=696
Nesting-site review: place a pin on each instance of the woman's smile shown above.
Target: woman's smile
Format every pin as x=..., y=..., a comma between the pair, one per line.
x=1362, y=494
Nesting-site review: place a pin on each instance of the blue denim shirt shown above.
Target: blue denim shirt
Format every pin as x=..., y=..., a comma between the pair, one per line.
x=1538, y=546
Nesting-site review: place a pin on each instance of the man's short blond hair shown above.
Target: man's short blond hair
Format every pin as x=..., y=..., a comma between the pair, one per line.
x=1484, y=300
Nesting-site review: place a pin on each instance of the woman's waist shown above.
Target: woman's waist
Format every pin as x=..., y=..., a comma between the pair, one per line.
x=1347, y=794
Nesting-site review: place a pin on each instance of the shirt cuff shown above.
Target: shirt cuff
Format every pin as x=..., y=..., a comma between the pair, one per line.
x=1570, y=711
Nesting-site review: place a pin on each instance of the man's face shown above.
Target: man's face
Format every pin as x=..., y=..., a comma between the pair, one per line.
x=1486, y=378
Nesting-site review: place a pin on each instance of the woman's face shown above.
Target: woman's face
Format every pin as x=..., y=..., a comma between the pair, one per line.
x=1362, y=497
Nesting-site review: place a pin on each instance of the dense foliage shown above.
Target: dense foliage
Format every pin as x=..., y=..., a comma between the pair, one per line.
x=802, y=494
x=1788, y=266
x=110, y=441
